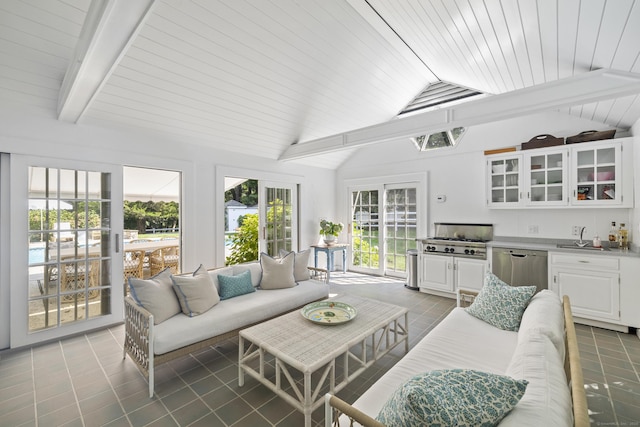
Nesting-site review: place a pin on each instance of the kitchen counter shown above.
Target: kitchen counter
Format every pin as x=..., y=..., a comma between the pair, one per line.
x=551, y=245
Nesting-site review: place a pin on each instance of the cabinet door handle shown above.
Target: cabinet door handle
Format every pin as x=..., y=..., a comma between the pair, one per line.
x=555, y=280
x=583, y=261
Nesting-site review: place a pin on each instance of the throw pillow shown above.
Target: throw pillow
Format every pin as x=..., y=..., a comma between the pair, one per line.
x=156, y=295
x=233, y=286
x=277, y=273
x=452, y=397
x=196, y=293
x=501, y=305
x=300, y=263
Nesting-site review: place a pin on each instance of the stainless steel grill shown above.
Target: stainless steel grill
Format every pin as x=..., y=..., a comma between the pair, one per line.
x=461, y=240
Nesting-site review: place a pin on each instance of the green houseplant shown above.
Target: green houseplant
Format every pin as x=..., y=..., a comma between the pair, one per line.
x=330, y=230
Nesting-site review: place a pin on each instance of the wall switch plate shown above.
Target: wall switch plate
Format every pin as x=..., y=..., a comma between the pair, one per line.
x=575, y=230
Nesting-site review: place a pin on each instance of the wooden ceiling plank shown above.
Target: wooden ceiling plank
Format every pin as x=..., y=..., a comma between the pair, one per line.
x=511, y=11
x=614, y=22
x=568, y=17
x=628, y=50
x=589, y=27
x=548, y=30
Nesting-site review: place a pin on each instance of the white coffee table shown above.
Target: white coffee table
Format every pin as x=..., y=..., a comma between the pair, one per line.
x=304, y=354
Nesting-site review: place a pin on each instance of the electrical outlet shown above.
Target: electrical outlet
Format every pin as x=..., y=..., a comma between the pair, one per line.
x=533, y=229
x=575, y=230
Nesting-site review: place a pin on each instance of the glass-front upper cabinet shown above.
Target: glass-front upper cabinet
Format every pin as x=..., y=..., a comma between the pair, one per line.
x=547, y=177
x=504, y=179
x=597, y=175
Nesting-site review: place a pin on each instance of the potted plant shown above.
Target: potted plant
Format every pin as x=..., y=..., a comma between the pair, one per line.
x=330, y=230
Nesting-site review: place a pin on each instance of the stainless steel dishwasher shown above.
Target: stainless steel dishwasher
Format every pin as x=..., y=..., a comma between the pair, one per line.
x=520, y=267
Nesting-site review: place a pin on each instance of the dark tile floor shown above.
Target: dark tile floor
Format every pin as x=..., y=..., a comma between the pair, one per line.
x=83, y=381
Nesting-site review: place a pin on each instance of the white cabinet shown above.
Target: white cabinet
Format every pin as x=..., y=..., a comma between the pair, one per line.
x=504, y=172
x=445, y=274
x=546, y=177
x=591, y=282
x=590, y=174
x=596, y=175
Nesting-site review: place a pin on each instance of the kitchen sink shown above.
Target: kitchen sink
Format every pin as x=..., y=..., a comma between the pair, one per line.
x=583, y=248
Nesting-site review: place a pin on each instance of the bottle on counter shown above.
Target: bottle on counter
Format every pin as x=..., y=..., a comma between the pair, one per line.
x=613, y=235
x=623, y=237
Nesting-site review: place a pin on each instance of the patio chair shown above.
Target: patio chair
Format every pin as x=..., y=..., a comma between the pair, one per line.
x=163, y=258
x=73, y=277
x=133, y=265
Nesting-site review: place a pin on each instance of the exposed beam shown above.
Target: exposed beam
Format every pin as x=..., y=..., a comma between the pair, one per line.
x=577, y=90
x=109, y=29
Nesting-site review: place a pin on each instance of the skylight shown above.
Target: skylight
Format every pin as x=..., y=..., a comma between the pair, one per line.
x=447, y=138
x=437, y=94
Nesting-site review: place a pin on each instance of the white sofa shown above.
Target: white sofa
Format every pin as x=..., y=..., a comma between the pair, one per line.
x=537, y=353
x=149, y=344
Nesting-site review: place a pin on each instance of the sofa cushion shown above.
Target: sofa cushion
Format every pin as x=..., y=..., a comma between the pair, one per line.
x=234, y=313
x=452, y=397
x=156, y=295
x=501, y=305
x=300, y=264
x=253, y=267
x=545, y=315
x=196, y=293
x=233, y=286
x=277, y=273
x=547, y=401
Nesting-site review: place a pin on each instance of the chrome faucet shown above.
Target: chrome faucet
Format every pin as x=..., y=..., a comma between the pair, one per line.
x=581, y=243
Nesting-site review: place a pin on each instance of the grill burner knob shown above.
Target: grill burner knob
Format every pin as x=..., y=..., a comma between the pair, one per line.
x=466, y=251
x=451, y=250
x=472, y=252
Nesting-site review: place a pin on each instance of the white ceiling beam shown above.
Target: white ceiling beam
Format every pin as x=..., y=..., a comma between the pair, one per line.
x=578, y=90
x=109, y=29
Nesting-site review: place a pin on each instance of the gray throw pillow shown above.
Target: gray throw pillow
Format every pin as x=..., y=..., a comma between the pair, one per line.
x=156, y=295
x=501, y=305
x=300, y=264
x=196, y=293
x=277, y=273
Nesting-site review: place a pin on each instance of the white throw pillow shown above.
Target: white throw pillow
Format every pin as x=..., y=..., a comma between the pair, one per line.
x=156, y=295
x=300, y=264
x=196, y=293
x=277, y=273
x=252, y=267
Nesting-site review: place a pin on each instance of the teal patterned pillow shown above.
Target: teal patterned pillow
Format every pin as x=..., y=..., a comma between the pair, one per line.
x=233, y=286
x=501, y=305
x=452, y=397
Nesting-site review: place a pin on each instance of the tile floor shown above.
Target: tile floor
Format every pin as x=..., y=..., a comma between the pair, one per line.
x=83, y=381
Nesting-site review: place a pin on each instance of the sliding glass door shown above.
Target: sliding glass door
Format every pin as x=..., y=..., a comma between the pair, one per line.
x=67, y=235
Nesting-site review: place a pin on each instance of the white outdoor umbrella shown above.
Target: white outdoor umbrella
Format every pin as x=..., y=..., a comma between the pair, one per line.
x=53, y=204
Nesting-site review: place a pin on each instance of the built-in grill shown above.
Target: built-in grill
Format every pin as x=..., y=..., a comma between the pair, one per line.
x=461, y=240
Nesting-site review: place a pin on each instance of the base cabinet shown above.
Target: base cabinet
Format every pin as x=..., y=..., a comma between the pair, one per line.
x=446, y=274
x=591, y=282
x=593, y=295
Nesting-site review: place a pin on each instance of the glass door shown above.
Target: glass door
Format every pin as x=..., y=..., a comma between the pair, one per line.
x=365, y=230
x=66, y=240
x=596, y=175
x=547, y=178
x=400, y=221
x=278, y=222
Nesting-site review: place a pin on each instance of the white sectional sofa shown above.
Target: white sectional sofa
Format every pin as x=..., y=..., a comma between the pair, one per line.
x=537, y=352
x=150, y=343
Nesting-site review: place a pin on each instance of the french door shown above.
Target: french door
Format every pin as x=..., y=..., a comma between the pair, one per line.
x=384, y=223
x=67, y=223
x=278, y=217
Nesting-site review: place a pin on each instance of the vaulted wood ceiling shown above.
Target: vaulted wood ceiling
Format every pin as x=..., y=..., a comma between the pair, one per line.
x=257, y=76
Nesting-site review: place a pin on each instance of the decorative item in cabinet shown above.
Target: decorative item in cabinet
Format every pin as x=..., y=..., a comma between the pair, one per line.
x=540, y=141
x=591, y=135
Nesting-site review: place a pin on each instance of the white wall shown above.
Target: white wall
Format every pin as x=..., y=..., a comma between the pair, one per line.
x=38, y=133
x=458, y=174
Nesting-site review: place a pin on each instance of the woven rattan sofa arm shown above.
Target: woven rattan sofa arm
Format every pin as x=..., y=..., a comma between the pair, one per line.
x=319, y=274
x=138, y=339
x=335, y=407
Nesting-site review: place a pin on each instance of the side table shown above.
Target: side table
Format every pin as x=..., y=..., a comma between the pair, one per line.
x=329, y=251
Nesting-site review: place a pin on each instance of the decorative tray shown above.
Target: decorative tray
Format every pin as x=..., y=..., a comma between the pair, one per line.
x=328, y=312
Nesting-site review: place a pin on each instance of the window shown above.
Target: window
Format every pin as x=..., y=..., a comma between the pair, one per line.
x=447, y=138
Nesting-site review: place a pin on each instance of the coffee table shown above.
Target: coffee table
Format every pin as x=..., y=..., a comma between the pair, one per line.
x=300, y=360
